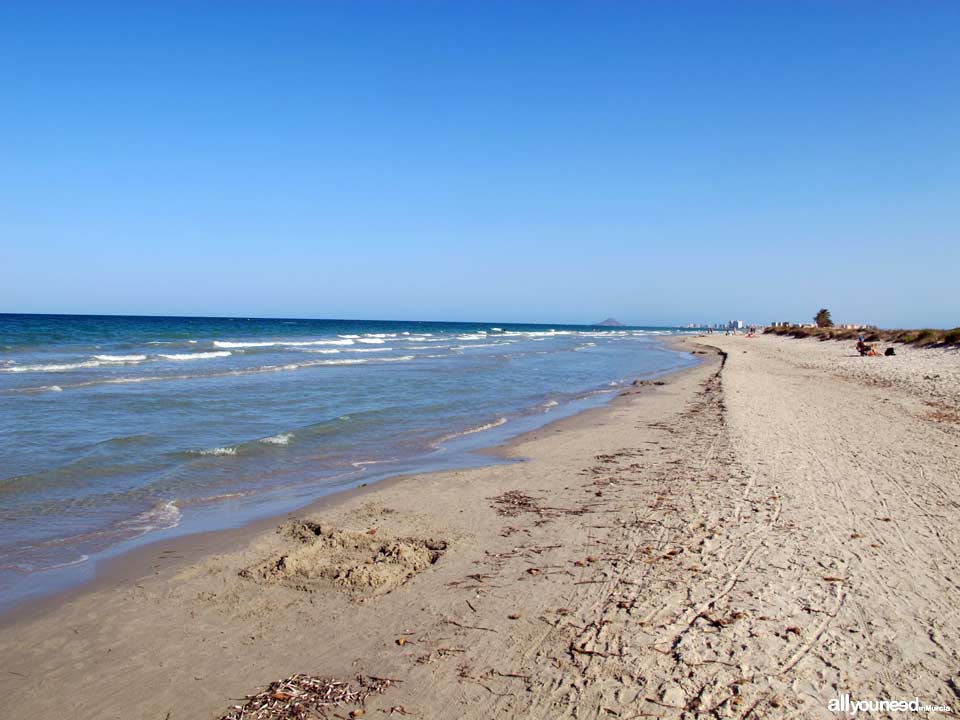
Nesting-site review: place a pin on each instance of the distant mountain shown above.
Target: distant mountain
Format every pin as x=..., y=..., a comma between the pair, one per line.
x=610, y=322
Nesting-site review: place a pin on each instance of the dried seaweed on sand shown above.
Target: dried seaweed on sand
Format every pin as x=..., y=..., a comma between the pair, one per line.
x=301, y=697
x=514, y=502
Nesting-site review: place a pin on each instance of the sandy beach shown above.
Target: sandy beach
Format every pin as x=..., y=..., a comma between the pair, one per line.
x=752, y=537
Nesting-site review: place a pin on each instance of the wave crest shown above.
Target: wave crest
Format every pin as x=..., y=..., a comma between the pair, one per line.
x=120, y=358
x=198, y=356
x=480, y=428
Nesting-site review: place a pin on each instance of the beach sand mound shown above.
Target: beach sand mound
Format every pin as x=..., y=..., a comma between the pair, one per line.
x=359, y=562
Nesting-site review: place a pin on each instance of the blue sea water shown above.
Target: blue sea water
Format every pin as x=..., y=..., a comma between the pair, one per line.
x=120, y=430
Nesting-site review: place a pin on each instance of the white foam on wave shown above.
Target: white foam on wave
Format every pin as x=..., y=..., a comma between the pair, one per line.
x=350, y=337
x=351, y=361
x=372, y=341
x=219, y=496
x=162, y=516
x=365, y=350
x=279, y=439
x=364, y=463
x=68, y=563
x=216, y=451
x=53, y=367
x=225, y=344
x=198, y=356
x=329, y=351
x=473, y=336
x=549, y=404
x=278, y=343
x=358, y=361
x=307, y=343
x=480, y=428
x=55, y=388
x=120, y=358
x=210, y=375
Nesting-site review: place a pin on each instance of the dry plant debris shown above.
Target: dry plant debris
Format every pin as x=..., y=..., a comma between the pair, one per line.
x=302, y=697
x=513, y=503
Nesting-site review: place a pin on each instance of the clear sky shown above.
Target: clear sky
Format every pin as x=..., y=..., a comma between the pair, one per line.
x=662, y=162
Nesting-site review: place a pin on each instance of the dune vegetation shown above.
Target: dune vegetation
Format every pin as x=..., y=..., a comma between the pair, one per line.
x=921, y=337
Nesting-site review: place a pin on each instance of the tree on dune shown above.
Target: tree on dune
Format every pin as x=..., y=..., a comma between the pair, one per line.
x=822, y=318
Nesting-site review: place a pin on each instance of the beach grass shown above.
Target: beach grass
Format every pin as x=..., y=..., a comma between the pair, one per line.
x=924, y=337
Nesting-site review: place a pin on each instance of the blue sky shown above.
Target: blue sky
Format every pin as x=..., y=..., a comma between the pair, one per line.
x=661, y=162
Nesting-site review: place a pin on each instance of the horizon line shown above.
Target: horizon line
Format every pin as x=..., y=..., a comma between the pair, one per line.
x=331, y=319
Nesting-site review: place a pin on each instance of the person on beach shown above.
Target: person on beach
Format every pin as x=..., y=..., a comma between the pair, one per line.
x=864, y=349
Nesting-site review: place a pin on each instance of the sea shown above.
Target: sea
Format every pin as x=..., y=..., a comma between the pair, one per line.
x=117, y=431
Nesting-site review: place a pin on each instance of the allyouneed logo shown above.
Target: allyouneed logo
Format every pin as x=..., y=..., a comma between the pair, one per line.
x=845, y=705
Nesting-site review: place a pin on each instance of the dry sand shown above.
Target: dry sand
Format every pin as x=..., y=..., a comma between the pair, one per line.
x=744, y=542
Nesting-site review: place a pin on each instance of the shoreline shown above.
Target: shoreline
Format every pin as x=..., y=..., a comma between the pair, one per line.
x=710, y=546
x=137, y=562
x=128, y=625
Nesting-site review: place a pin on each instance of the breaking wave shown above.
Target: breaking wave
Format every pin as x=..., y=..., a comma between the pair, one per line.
x=120, y=358
x=480, y=428
x=278, y=343
x=198, y=356
x=215, y=451
x=162, y=516
x=62, y=367
x=225, y=344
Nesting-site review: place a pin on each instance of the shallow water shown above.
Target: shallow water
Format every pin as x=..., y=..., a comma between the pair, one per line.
x=118, y=429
